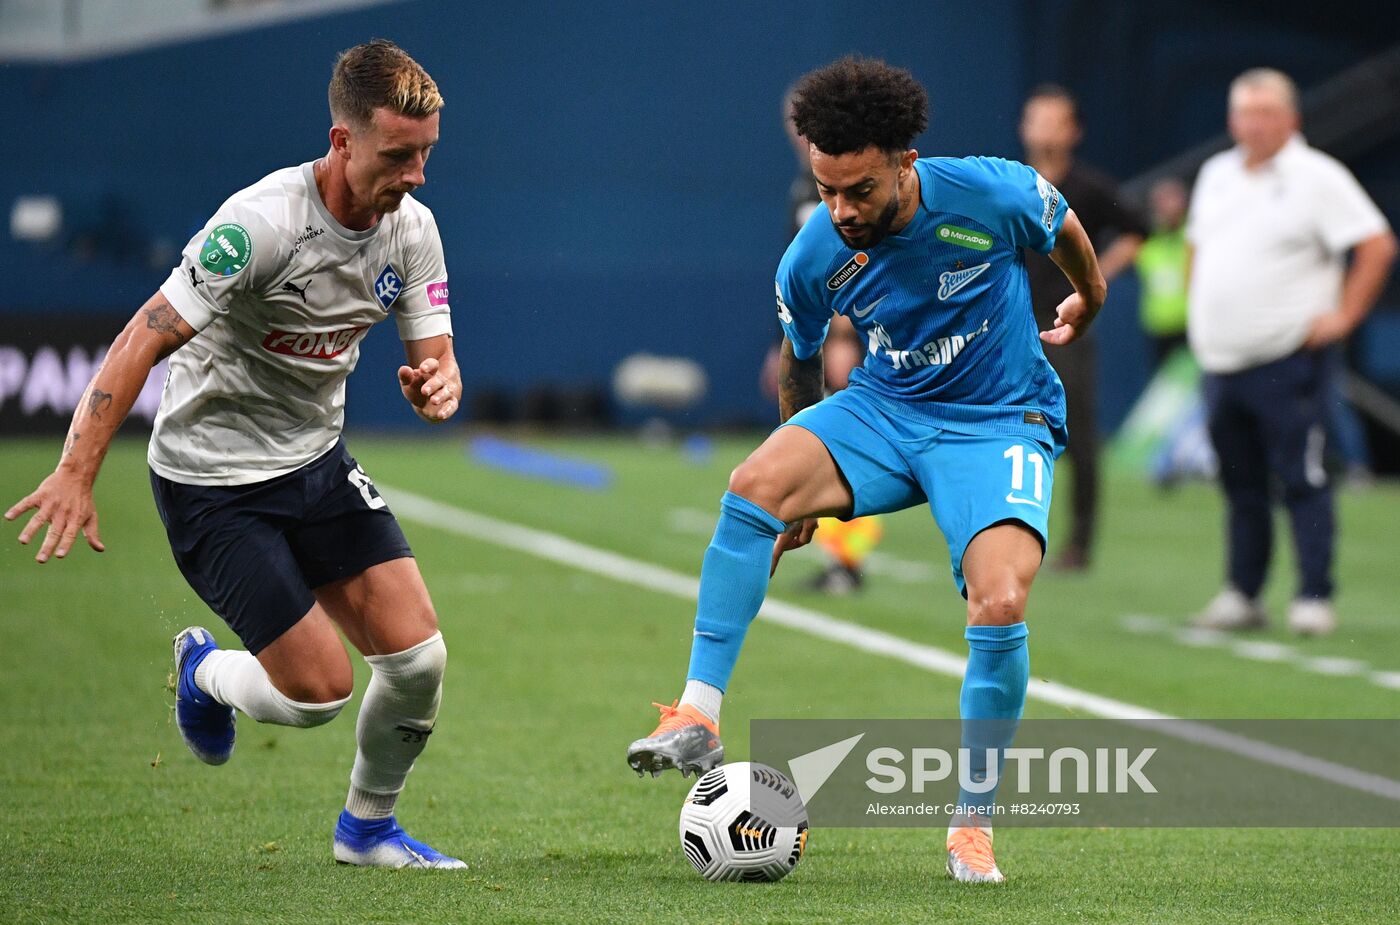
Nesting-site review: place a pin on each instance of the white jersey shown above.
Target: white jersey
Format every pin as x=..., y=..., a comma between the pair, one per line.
x=281, y=295
x=1270, y=248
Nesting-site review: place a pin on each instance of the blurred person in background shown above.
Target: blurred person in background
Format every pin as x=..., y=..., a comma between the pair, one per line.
x=1050, y=132
x=1271, y=296
x=846, y=543
x=1161, y=269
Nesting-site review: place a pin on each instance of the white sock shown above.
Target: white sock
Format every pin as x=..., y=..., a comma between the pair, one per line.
x=235, y=679
x=396, y=718
x=704, y=697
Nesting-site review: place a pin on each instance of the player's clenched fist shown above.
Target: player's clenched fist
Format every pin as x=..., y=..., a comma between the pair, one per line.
x=434, y=392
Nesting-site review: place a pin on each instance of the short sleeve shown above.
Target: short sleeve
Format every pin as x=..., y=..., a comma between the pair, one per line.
x=804, y=316
x=1032, y=209
x=1346, y=216
x=422, y=311
x=232, y=254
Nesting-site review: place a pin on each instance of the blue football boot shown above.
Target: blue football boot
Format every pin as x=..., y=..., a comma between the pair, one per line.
x=384, y=843
x=205, y=724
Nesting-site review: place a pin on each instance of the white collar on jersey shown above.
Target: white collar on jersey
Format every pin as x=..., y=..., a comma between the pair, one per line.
x=308, y=172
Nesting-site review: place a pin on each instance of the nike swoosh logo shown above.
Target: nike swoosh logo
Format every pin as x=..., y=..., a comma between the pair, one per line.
x=862, y=312
x=1012, y=499
x=951, y=282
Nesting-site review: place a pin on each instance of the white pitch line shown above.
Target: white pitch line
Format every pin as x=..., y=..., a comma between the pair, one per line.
x=1260, y=650
x=573, y=554
x=1263, y=650
x=1335, y=666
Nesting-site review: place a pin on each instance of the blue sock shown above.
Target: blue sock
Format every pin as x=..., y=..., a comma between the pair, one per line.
x=733, y=581
x=993, y=695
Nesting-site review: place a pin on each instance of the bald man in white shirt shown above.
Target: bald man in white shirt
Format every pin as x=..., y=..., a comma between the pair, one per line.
x=1272, y=221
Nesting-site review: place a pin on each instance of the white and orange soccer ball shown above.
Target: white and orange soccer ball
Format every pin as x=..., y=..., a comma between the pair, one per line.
x=744, y=821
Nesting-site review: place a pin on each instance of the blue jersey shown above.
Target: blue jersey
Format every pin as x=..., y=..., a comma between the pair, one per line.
x=944, y=306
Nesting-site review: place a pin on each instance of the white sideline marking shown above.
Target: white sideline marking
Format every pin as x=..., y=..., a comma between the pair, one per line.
x=1263, y=651
x=577, y=555
x=1260, y=650
x=1334, y=665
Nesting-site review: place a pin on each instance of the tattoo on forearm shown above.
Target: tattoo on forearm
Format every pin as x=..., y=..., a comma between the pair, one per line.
x=799, y=382
x=166, y=320
x=71, y=444
x=98, y=401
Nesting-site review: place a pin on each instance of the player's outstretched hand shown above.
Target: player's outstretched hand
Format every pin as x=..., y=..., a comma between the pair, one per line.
x=1072, y=318
x=434, y=393
x=63, y=502
x=794, y=537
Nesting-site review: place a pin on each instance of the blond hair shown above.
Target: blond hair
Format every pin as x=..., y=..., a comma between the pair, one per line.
x=380, y=74
x=1275, y=80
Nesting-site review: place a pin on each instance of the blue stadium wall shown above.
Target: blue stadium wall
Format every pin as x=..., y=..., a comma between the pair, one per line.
x=612, y=177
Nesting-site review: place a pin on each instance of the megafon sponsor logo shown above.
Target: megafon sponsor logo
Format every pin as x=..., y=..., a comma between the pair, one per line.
x=848, y=269
x=316, y=345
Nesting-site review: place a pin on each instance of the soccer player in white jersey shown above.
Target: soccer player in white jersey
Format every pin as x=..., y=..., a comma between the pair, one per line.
x=270, y=519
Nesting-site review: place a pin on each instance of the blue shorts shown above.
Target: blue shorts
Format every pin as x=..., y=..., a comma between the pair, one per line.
x=254, y=553
x=969, y=481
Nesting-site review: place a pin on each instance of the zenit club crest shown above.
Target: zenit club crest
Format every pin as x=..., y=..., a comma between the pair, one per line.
x=848, y=269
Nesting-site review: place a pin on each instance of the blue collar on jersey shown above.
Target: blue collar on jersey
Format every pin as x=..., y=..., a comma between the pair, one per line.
x=910, y=232
x=925, y=182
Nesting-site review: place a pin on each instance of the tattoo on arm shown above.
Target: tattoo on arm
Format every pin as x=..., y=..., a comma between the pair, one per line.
x=98, y=401
x=164, y=319
x=71, y=444
x=799, y=381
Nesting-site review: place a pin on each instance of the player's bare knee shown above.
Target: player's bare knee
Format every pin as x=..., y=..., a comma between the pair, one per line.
x=758, y=481
x=995, y=606
x=318, y=687
x=428, y=620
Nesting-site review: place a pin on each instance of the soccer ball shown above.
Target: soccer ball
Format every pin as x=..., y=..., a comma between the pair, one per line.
x=744, y=821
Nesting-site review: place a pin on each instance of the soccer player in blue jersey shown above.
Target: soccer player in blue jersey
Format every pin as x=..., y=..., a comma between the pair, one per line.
x=955, y=406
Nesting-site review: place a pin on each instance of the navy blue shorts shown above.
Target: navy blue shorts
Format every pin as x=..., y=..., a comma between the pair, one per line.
x=254, y=553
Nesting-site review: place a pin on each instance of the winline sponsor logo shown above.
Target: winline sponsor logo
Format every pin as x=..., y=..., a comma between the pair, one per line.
x=848, y=269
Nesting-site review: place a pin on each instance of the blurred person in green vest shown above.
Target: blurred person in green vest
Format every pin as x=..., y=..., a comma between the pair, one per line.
x=1161, y=267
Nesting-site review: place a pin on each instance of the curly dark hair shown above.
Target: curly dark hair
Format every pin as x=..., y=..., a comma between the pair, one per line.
x=856, y=102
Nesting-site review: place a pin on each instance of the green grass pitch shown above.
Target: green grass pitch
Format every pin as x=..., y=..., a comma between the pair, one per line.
x=104, y=816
